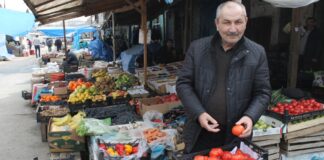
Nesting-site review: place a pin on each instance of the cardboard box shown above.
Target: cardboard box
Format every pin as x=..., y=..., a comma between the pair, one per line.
x=277, y=127
x=163, y=107
x=60, y=90
x=57, y=60
x=64, y=141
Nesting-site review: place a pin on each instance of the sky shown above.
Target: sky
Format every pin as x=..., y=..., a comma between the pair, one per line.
x=17, y=5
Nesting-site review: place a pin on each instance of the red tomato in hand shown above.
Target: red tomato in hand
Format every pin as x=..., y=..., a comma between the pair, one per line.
x=216, y=152
x=237, y=130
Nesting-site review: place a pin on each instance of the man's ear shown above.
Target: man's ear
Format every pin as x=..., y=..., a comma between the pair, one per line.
x=216, y=21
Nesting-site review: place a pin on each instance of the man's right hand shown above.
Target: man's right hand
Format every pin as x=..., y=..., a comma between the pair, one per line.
x=208, y=122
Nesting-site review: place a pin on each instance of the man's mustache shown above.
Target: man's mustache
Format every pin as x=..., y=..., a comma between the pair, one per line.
x=232, y=34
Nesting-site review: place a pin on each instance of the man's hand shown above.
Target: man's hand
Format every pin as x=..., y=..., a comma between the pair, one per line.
x=248, y=124
x=208, y=122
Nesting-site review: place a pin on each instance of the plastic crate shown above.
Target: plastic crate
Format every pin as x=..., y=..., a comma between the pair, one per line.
x=262, y=154
x=108, y=111
x=118, y=100
x=26, y=95
x=70, y=68
x=286, y=117
x=74, y=108
x=73, y=76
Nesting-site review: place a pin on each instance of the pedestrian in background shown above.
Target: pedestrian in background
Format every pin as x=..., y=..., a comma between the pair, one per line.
x=37, y=44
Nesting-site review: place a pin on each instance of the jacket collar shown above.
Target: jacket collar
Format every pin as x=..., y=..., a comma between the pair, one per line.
x=240, y=47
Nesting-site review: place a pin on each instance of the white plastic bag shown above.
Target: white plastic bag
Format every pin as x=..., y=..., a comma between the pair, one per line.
x=290, y=3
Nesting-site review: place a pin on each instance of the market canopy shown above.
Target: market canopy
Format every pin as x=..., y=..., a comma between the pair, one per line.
x=15, y=23
x=47, y=11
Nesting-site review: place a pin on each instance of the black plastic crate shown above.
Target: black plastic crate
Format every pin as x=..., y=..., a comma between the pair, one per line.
x=26, y=95
x=262, y=154
x=74, y=76
x=70, y=68
x=286, y=117
x=74, y=108
x=61, y=103
x=99, y=104
x=108, y=111
x=118, y=100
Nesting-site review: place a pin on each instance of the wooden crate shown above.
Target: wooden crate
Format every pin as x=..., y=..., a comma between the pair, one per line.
x=303, y=132
x=270, y=143
x=302, y=145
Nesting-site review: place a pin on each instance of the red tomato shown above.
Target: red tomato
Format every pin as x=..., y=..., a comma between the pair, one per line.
x=216, y=152
x=238, y=151
x=200, y=157
x=237, y=130
x=213, y=158
x=237, y=157
x=275, y=109
x=226, y=155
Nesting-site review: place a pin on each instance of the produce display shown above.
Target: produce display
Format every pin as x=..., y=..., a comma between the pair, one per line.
x=219, y=154
x=119, y=150
x=83, y=93
x=161, y=100
x=75, y=84
x=49, y=98
x=118, y=93
x=68, y=120
x=261, y=125
x=153, y=134
x=125, y=81
x=104, y=84
x=54, y=112
x=99, y=73
x=297, y=107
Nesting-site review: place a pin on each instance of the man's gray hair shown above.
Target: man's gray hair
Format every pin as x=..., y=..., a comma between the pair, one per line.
x=221, y=6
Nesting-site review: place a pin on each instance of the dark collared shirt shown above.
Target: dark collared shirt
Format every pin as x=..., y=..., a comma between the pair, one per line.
x=216, y=105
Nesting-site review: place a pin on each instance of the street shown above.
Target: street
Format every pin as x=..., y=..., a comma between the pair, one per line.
x=20, y=135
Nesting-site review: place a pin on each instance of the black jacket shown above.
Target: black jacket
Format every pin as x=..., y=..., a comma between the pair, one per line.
x=248, y=87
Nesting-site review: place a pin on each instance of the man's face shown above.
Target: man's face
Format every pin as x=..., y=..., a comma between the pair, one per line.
x=231, y=24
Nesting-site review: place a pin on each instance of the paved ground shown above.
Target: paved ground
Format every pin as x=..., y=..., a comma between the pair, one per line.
x=20, y=134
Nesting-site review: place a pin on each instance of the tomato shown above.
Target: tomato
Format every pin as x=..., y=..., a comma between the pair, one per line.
x=237, y=130
x=238, y=151
x=227, y=155
x=216, y=152
x=237, y=157
x=200, y=157
x=213, y=158
x=275, y=109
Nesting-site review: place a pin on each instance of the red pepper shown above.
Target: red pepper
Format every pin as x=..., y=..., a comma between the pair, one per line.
x=102, y=146
x=120, y=149
x=135, y=149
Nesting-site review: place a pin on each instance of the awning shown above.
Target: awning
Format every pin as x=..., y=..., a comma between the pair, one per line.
x=47, y=11
x=15, y=23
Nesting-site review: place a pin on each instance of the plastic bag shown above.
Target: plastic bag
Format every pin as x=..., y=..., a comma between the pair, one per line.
x=290, y=3
x=154, y=118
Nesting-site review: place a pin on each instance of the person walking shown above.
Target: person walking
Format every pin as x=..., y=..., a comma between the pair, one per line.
x=37, y=44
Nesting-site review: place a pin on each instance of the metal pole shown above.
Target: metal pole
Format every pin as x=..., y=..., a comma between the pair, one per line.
x=65, y=49
x=113, y=35
x=144, y=29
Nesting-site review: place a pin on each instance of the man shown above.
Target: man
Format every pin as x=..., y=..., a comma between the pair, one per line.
x=224, y=81
x=310, y=45
x=49, y=44
x=58, y=44
x=37, y=44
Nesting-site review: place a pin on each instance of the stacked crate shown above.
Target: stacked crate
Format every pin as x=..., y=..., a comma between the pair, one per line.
x=269, y=138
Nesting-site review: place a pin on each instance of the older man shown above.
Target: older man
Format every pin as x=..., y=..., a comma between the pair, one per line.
x=224, y=81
